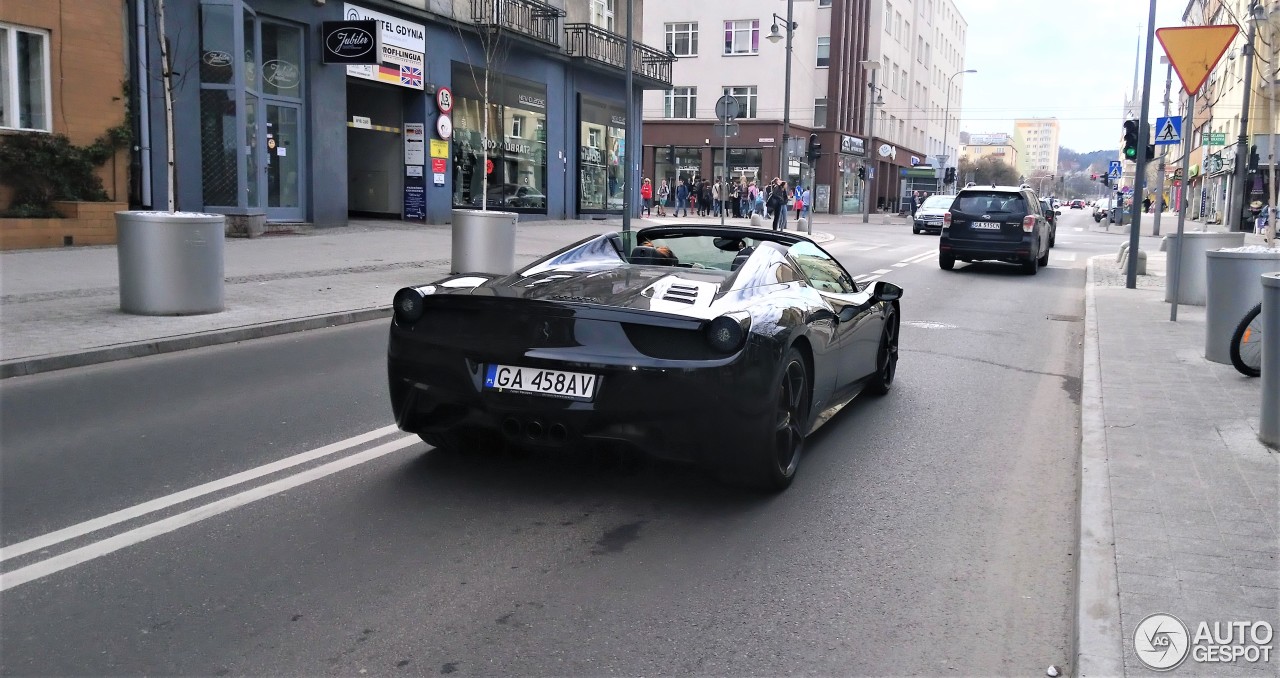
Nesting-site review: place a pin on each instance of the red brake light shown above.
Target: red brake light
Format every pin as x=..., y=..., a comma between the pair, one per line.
x=1028, y=223
x=946, y=219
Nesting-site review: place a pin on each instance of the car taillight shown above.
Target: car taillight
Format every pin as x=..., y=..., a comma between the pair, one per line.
x=1028, y=223
x=946, y=220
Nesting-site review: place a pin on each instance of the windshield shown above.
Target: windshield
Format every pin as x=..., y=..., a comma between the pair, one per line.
x=704, y=251
x=938, y=202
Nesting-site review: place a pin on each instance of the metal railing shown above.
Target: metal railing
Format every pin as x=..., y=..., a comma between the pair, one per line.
x=592, y=42
x=529, y=18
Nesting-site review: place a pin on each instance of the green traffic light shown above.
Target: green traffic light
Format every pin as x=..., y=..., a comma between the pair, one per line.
x=1130, y=153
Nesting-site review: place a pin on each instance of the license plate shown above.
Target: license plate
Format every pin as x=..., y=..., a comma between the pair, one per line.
x=985, y=225
x=554, y=383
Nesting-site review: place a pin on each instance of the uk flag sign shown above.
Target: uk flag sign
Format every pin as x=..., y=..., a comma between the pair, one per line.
x=411, y=76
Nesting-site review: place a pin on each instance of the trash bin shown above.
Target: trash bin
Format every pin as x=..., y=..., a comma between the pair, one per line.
x=484, y=242
x=1231, y=278
x=171, y=263
x=1191, y=271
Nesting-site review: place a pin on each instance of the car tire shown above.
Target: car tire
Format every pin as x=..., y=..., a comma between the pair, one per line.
x=773, y=464
x=1032, y=265
x=1053, y=237
x=1044, y=261
x=915, y=231
x=886, y=355
x=946, y=262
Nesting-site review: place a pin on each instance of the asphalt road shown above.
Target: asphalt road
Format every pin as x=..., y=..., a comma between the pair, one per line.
x=931, y=531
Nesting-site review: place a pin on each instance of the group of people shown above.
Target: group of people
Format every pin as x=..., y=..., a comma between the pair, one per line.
x=741, y=199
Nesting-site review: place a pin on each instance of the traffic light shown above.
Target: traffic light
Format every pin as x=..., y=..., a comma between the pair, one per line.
x=1253, y=158
x=815, y=148
x=949, y=176
x=862, y=172
x=1131, y=128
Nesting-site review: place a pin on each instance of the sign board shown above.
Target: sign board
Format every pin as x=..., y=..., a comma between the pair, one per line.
x=444, y=99
x=361, y=122
x=350, y=42
x=851, y=144
x=1168, y=131
x=1193, y=51
x=726, y=129
x=765, y=140
x=438, y=165
x=988, y=140
x=415, y=143
x=415, y=195
x=1113, y=169
x=444, y=126
x=439, y=148
x=401, y=59
x=1215, y=138
x=727, y=108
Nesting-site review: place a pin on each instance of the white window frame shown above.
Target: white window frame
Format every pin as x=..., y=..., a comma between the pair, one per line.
x=602, y=14
x=673, y=96
x=744, y=93
x=676, y=28
x=820, y=104
x=10, y=106
x=749, y=27
x=824, y=45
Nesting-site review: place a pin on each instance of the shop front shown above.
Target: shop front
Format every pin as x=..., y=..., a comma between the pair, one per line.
x=500, y=153
x=676, y=163
x=851, y=159
x=745, y=164
x=602, y=147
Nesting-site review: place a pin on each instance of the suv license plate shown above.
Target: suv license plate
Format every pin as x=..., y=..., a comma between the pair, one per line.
x=554, y=383
x=986, y=225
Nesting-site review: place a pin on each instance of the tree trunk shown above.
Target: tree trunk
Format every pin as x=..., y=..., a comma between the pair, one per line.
x=484, y=145
x=167, y=76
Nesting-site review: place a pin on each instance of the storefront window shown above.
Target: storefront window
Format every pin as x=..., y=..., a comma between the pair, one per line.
x=744, y=164
x=281, y=60
x=516, y=145
x=602, y=148
x=217, y=44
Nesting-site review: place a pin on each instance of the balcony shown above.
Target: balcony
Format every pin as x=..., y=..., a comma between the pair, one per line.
x=651, y=67
x=529, y=18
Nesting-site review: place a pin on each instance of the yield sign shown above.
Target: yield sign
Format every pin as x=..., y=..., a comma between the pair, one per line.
x=1195, y=50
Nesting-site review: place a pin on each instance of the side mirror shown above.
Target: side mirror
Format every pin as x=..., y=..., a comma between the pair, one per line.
x=886, y=291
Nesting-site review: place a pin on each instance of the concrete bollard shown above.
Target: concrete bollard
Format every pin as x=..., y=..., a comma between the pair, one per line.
x=802, y=225
x=757, y=221
x=1120, y=255
x=1142, y=261
x=1269, y=426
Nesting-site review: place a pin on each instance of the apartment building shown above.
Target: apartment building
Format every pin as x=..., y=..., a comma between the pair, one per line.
x=998, y=146
x=265, y=128
x=1036, y=140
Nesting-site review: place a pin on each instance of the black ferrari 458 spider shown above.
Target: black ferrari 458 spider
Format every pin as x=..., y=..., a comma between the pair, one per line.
x=718, y=345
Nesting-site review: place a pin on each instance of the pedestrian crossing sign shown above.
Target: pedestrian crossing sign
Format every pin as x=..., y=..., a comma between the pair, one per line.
x=1169, y=131
x=1113, y=169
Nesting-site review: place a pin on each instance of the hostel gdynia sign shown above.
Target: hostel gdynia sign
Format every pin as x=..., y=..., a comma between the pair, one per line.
x=351, y=42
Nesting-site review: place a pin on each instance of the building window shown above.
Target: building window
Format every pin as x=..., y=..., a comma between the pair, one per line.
x=682, y=39
x=516, y=166
x=681, y=102
x=602, y=14
x=742, y=37
x=602, y=155
x=820, y=112
x=824, y=3
x=746, y=97
x=824, y=52
x=888, y=12
x=24, y=78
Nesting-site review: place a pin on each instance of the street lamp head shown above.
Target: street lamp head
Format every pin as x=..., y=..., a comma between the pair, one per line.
x=879, y=100
x=870, y=65
x=775, y=33
x=971, y=70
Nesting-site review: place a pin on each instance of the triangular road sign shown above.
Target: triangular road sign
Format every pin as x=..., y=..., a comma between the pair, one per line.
x=1195, y=50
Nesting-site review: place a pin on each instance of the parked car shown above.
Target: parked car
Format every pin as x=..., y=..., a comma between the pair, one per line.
x=513, y=195
x=1051, y=213
x=1000, y=223
x=710, y=344
x=929, y=214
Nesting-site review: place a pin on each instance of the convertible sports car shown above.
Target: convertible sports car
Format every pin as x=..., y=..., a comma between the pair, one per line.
x=718, y=345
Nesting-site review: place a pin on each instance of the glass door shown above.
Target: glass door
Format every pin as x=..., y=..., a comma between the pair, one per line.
x=284, y=162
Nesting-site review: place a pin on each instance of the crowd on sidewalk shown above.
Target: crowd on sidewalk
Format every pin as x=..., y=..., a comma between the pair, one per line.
x=740, y=199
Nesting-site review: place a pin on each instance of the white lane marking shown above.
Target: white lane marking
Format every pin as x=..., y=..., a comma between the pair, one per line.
x=880, y=271
x=864, y=277
x=1077, y=229
x=137, y=535
x=868, y=278
x=1064, y=256
x=900, y=264
x=921, y=257
x=79, y=529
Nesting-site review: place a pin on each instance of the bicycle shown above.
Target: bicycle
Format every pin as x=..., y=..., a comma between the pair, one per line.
x=1246, y=343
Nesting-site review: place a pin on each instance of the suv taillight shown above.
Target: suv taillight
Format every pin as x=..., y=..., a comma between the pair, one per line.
x=1028, y=223
x=946, y=219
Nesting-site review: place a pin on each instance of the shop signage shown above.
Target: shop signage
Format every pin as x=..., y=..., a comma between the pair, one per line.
x=437, y=165
x=281, y=74
x=216, y=58
x=350, y=42
x=988, y=140
x=590, y=154
x=915, y=161
x=535, y=102
x=415, y=143
x=439, y=148
x=851, y=144
x=444, y=127
x=415, y=196
x=765, y=140
x=400, y=58
x=888, y=151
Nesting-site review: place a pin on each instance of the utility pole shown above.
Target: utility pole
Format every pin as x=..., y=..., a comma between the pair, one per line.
x=1144, y=137
x=628, y=136
x=1235, y=218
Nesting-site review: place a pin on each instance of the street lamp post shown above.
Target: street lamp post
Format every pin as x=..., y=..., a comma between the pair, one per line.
x=775, y=34
x=946, y=119
x=1236, y=203
x=871, y=135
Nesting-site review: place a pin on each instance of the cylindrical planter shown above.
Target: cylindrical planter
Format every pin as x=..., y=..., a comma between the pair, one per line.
x=170, y=263
x=1232, y=283
x=1269, y=427
x=484, y=242
x=1191, y=270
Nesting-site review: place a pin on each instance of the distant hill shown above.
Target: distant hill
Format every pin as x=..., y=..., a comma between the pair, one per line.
x=1093, y=161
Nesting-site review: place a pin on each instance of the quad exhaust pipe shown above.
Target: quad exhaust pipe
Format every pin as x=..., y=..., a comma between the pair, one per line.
x=536, y=430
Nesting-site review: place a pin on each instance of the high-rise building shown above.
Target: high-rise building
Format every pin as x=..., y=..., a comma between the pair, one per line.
x=1037, y=142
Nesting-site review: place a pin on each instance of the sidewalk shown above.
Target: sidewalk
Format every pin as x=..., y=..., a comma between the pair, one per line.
x=1179, y=499
x=60, y=308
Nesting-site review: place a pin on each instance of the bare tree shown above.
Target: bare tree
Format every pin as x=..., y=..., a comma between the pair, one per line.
x=494, y=47
x=166, y=76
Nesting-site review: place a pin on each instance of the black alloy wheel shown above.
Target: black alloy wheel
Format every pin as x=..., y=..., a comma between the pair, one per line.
x=886, y=356
x=790, y=417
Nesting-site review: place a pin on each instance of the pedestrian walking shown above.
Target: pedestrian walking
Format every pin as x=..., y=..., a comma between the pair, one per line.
x=682, y=197
x=806, y=203
x=664, y=191
x=781, y=200
x=646, y=197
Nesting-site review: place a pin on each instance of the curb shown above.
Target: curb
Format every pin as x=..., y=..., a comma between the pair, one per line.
x=1099, y=642
x=62, y=361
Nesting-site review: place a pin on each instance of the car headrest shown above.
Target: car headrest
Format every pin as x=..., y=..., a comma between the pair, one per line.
x=644, y=254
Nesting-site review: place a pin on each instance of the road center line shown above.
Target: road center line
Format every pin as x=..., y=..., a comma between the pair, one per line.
x=137, y=535
x=880, y=271
x=900, y=264
x=920, y=257
x=79, y=529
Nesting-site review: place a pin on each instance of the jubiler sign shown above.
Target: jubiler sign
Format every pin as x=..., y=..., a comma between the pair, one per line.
x=351, y=42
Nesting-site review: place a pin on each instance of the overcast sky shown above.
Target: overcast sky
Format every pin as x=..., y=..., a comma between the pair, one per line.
x=1070, y=60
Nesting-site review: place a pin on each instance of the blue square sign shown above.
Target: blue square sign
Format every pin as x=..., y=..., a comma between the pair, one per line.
x=1168, y=131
